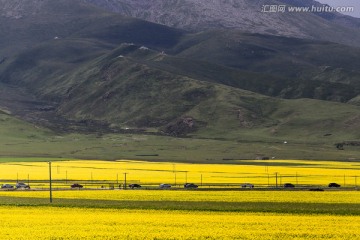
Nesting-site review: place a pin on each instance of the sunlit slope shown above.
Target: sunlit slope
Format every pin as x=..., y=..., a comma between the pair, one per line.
x=16, y=132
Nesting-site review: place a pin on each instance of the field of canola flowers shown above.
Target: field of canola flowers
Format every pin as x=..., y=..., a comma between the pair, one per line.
x=181, y=214
x=326, y=197
x=258, y=172
x=75, y=223
x=102, y=221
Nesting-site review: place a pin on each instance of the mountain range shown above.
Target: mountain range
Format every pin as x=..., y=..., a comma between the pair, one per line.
x=244, y=15
x=183, y=68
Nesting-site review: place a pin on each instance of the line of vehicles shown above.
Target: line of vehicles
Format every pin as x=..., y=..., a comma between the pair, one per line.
x=137, y=186
x=17, y=186
x=331, y=185
x=161, y=186
x=166, y=186
x=289, y=185
x=245, y=185
x=79, y=186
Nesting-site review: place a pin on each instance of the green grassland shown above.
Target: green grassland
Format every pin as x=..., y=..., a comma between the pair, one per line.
x=276, y=205
x=20, y=139
x=269, y=207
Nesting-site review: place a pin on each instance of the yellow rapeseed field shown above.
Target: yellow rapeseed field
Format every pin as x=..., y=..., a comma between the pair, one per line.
x=209, y=196
x=93, y=219
x=82, y=223
x=258, y=172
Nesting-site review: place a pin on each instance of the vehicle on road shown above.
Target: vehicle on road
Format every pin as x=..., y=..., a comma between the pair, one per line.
x=331, y=185
x=289, y=185
x=190, y=185
x=247, y=185
x=7, y=186
x=22, y=186
x=76, y=185
x=164, y=186
x=134, y=186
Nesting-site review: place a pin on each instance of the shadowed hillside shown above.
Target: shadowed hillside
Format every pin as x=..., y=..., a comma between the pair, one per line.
x=244, y=15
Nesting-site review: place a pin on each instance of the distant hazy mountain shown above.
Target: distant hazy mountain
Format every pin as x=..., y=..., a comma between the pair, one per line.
x=246, y=15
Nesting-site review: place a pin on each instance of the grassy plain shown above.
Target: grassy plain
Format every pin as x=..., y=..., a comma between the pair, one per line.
x=19, y=139
x=291, y=202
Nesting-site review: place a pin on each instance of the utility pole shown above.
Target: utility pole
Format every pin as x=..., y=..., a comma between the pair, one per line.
x=66, y=177
x=201, y=180
x=186, y=177
x=117, y=179
x=28, y=180
x=276, y=176
x=50, y=182
x=125, y=180
x=174, y=171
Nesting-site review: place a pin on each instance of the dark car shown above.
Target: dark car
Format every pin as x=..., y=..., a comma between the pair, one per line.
x=134, y=185
x=7, y=186
x=289, y=185
x=164, y=186
x=76, y=185
x=247, y=185
x=334, y=185
x=190, y=185
x=22, y=186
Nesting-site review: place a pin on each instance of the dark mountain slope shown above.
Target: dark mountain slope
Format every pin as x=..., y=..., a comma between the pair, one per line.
x=24, y=24
x=245, y=15
x=275, y=66
x=313, y=69
x=125, y=88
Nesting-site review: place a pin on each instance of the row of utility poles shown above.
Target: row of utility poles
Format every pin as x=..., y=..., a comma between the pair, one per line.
x=296, y=177
x=50, y=181
x=277, y=175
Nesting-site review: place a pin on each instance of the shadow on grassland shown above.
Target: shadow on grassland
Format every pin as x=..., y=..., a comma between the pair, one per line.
x=269, y=207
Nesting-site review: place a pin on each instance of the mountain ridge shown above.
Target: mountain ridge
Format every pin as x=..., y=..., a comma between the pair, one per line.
x=245, y=15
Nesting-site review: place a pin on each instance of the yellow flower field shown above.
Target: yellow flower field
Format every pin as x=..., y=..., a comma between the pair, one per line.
x=209, y=196
x=258, y=172
x=141, y=214
x=75, y=223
